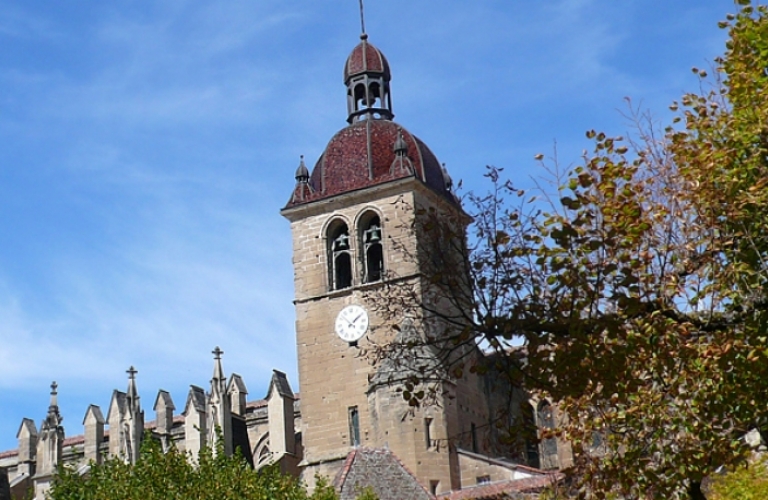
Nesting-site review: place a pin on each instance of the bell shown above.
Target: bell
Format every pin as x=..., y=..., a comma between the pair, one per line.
x=341, y=242
x=374, y=234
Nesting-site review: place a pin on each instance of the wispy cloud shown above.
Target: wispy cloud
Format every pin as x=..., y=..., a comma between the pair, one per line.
x=147, y=149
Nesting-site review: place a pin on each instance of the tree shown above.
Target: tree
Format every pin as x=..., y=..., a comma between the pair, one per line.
x=634, y=297
x=748, y=481
x=171, y=475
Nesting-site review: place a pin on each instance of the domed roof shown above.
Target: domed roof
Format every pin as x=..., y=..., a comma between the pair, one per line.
x=373, y=149
x=365, y=58
x=364, y=155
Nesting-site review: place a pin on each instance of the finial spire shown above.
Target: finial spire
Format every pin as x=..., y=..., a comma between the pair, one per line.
x=362, y=19
x=133, y=393
x=218, y=371
x=54, y=393
x=53, y=418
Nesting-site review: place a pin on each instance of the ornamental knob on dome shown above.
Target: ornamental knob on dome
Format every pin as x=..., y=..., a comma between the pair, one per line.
x=447, y=178
x=302, y=172
x=401, y=147
x=303, y=190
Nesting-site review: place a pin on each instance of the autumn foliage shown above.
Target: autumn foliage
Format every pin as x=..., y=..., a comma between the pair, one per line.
x=173, y=475
x=637, y=288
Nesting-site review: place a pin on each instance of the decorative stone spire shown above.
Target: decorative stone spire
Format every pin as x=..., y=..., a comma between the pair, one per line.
x=218, y=370
x=133, y=423
x=219, y=406
x=132, y=395
x=51, y=438
x=53, y=407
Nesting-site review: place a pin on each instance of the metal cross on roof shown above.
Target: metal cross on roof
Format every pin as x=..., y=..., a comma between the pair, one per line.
x=131, y=372
x=217, y=353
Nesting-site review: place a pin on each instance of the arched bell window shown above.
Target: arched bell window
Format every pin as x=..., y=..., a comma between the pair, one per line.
x=339, y=256
x=371, y=237
x=546, y=420
x=530, y=435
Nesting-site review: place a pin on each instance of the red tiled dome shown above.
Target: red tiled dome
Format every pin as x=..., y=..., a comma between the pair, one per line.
x=365, y=58
x=373, y=149
x=346, y=165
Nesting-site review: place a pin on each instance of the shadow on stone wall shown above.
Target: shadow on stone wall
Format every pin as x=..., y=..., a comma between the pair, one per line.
x=5, y=487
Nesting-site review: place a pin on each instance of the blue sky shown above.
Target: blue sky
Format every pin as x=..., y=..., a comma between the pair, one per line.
x=147, y=147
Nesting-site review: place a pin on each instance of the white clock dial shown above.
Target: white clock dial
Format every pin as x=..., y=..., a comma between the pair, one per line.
x=352, y=323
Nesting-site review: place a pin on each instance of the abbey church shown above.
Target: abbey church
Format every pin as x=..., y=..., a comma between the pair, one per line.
x=352, y=219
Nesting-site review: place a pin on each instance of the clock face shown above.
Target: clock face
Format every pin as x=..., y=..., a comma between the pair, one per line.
x=352, y=323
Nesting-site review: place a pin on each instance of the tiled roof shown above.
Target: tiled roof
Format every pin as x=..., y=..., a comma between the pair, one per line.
x=365, y=58
x=381, y=470
x=502, y=462
x=362, y=155
x=503, y=490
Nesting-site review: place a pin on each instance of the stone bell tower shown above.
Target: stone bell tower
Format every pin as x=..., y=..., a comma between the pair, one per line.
x=352, y=220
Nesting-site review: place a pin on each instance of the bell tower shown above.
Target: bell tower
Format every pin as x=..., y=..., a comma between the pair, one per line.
x=352, y=220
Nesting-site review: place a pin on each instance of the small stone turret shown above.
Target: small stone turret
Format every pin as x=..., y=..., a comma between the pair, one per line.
x=237, y=394
x=115, y=417
x=280, y=398
x=164, y=409
x=194, y=421
x=27, y=437
x=93, y=422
